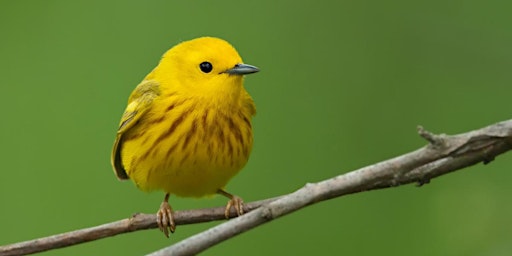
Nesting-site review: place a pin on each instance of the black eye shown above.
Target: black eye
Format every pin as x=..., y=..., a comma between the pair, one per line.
x=206, y=67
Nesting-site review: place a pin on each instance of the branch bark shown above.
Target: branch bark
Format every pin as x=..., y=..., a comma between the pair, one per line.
x=138, y=221
x=442, y=155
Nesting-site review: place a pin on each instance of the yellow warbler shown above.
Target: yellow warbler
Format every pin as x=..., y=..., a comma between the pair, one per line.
x=187, y=127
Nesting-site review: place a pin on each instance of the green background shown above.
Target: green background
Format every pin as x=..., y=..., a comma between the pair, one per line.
x=343, y=85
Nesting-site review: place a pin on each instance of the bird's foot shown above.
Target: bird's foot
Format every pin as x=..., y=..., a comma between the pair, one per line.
x=165, y=218
x=237, y=203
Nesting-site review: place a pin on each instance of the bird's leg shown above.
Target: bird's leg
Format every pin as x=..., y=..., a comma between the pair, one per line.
x=165, y=217
x=234, y=201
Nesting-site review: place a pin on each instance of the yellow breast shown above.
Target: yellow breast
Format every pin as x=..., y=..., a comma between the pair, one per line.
x=187, y=148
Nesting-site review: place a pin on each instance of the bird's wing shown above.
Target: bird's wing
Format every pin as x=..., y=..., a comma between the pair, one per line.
x=139, y=103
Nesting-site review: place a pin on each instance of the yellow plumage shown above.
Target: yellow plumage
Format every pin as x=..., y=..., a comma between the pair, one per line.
x=187, y=127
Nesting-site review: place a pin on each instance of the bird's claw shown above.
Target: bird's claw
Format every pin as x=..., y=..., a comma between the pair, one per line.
x=237, y=203
x=165, y=219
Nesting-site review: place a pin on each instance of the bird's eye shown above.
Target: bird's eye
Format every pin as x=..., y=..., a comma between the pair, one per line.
x=206, y=67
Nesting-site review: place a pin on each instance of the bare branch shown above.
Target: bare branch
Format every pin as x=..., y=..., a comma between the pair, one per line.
x=444, y=154
x=138, y=221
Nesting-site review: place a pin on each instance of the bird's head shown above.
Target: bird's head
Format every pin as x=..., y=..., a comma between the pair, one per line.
x=207, y=67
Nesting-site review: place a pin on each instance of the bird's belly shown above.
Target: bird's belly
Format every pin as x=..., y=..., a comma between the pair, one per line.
x=199, y=176
x=194, y=169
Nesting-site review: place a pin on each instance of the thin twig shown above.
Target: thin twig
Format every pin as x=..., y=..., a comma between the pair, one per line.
x=138, y=221
x=445, y=154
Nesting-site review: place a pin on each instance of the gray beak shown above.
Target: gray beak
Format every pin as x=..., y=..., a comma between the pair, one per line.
x=242, y=69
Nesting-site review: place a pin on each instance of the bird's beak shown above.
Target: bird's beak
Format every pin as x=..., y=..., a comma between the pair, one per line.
x=242, y=69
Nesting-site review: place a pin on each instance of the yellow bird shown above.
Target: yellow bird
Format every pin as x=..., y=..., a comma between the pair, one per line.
x=187, y=127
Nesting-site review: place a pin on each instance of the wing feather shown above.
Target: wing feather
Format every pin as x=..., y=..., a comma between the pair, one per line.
x=139, y=103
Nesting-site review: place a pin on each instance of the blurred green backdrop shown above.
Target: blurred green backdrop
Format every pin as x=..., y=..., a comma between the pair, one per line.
x=343, y=85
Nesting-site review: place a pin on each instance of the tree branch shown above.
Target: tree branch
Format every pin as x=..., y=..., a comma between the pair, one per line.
x=444, y=154
x=138, y=221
